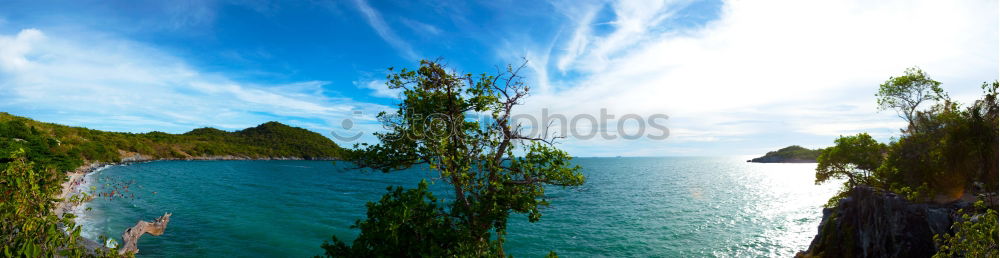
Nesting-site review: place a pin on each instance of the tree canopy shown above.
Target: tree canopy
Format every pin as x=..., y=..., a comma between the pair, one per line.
x=853, y=157
x=492, y=167
x=905, y=93
x=946, y=151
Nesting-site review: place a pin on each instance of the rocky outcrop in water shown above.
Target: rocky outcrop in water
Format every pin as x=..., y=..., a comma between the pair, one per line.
x=874, y=223
x=131, y=235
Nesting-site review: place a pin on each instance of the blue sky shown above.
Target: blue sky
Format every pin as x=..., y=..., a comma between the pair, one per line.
x=735, y=77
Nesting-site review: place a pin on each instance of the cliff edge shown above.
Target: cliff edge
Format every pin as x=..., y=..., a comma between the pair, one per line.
x=875, y=223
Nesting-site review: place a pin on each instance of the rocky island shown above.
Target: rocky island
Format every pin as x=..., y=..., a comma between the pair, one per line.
x=790, y=154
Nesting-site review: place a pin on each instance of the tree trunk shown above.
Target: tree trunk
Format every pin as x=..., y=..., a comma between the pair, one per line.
x=131, y=235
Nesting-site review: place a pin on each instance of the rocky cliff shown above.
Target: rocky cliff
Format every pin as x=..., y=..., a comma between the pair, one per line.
x=874, y=223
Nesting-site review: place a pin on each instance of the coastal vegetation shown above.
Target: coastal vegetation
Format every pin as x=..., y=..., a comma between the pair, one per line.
x=790, y=154
x=28, y=225
x=975, y=234
x=65, y=148
x=853, y=157
x=493, y=169
x=947, y=155
x=945, y=152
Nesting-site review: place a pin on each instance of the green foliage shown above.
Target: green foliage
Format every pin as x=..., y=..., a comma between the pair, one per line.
x=906, y=93
x=477, y=158
x=975, y=235
x=411, y=224
x=28, y=225
x=66, y=148
x=792, y=153
x=853, y=157
x=951, y=152
x=947, y=151
x=275, y=139
x=920, y=193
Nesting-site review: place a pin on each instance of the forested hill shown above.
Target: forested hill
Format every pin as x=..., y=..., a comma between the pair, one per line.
x=790, y=154
x=65, y=148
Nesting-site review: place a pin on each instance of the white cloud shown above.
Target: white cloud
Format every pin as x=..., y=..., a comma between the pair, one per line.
x=13, y=49
x=114, y=84
x=375, y=20
x=420, y=27
x=784, y=63
x=380, y=89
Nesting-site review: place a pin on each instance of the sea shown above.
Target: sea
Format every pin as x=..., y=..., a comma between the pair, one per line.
x=628, y=207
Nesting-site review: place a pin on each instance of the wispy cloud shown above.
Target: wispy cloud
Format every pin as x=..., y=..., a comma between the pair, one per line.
x=632, y=24
x=375, y=20
x=183, y=14
x=116, y=84
x=379, y=89
x=420, y=27
x=580, y=39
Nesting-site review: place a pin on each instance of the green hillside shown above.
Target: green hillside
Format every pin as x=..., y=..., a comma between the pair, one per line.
x=790, y=154
x=65, y=148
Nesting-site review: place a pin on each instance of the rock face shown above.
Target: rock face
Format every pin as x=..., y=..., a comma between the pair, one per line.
x=874, y=223
x=131, y=235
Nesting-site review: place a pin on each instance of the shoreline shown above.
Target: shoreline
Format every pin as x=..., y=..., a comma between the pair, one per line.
x=72, y=187
x=78, y=181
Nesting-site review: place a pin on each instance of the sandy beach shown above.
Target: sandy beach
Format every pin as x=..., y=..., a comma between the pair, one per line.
x=73, y=186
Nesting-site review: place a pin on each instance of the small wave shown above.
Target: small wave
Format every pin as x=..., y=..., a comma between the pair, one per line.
x=291, y=166
x=83, y=218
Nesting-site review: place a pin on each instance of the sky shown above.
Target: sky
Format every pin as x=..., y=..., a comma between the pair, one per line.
x=734, y=77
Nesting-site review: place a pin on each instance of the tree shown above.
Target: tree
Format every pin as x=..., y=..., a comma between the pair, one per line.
x=951, y=152
x=853, y=157
x=906, y=93
x=28, y=227
x=410, y=223
x=477, y=158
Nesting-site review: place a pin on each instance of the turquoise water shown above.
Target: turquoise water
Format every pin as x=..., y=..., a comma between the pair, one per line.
x=666, y=207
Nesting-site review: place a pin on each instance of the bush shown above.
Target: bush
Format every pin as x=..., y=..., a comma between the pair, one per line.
x=407, y=223
x=975, y=235
x=28, y=227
